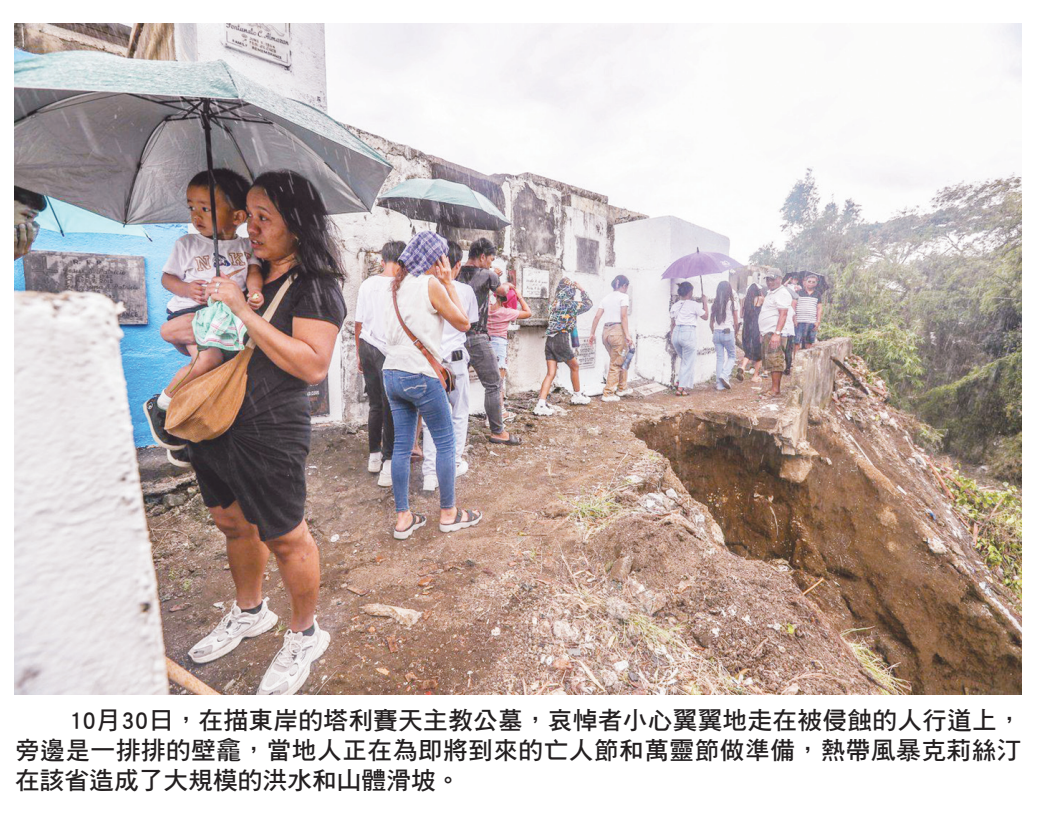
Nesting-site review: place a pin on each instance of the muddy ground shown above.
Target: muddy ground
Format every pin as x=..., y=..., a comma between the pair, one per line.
x=594, y=571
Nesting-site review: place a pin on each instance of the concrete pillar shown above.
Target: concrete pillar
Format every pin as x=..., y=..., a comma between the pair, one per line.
x=87, y=617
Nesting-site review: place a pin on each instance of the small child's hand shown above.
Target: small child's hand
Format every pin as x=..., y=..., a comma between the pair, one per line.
x=198, y=292
x=255, y=299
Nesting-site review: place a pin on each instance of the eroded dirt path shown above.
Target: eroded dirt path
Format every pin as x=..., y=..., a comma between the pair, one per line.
x=593, y=571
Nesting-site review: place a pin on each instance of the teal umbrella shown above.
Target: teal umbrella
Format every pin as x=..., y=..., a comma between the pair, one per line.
x=447, y=203
x=122, y=137
x=61, y=217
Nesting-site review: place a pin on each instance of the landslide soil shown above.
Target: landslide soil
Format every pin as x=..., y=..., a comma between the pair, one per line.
x=534, y=599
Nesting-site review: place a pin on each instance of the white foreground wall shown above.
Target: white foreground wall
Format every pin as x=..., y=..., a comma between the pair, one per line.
x=87, y=617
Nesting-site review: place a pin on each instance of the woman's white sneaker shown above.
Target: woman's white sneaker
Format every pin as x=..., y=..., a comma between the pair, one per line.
x=579, y=398
x=374, y=462
x=235, y=627
x=290, y=667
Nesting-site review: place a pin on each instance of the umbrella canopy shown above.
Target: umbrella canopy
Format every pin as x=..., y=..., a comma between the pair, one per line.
x=122, y=137
x=449, y=203
x=61, y=217
x=700, y=263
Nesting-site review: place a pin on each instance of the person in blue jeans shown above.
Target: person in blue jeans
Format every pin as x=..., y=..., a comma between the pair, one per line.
x=724, y=323
x=424, y=294
x=684, y=316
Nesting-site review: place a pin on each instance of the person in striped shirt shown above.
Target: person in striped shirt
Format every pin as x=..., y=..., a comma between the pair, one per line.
x=808, y=312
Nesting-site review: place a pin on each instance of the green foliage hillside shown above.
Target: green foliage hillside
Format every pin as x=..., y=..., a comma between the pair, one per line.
x=932, y=299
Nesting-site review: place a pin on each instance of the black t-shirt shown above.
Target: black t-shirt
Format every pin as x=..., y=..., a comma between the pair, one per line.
x=275, y=398
x=483, y=280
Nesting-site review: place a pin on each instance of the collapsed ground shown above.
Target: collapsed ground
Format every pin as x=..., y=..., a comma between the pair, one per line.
x=648, y=546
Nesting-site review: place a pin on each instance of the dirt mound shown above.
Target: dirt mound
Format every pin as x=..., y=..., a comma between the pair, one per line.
x=747, y=614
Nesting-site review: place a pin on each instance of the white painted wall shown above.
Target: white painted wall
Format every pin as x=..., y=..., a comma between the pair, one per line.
x=305, y=80
x=87, y=617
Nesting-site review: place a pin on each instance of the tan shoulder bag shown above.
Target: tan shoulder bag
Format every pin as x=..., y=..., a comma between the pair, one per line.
x=207, y=406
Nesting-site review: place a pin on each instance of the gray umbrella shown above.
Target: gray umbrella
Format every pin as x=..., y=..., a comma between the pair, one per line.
x=121, y=137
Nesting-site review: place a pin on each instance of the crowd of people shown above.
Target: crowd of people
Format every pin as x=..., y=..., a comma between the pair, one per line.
x=420, y=324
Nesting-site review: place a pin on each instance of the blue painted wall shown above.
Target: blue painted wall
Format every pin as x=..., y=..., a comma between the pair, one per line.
x=149, y=361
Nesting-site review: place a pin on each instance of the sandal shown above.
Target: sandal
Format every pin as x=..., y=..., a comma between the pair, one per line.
x=417, y=522
x=512, y=440
x=463, y=520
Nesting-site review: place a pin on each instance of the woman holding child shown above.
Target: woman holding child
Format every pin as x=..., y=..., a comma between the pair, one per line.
x=252, y=478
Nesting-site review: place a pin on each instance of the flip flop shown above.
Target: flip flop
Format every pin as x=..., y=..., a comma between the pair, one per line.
x=417, y=457
x=417, y=522
x=512, y=440
x=463, y=520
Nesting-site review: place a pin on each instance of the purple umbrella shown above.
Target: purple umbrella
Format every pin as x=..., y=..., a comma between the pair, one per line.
x=700, y=263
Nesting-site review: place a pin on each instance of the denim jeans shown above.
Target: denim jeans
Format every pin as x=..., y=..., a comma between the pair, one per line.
x=685, y=342
x=409, y=394
x=723, y=340
x=379, y=416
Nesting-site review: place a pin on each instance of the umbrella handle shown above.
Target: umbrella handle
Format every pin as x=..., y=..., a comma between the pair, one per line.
x=206, y=121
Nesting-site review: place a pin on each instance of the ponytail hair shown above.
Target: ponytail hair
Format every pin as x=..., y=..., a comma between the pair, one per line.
x=401, y=274
x=618, y=282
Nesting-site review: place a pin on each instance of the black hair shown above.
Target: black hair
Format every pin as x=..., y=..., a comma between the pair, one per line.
x=232, y=186
x=391, y=250
x=619, y=281
x=724, y=294
x=301, y=207
x=31, y=199
x=751, y=295
x=482, y=247
x=454, y=253
x=685, y=289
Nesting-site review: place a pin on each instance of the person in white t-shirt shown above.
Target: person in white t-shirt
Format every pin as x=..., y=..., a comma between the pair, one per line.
x=684, y=316
x=188, y=273
x=774, y=314
x=616, y=337
x=373, y=304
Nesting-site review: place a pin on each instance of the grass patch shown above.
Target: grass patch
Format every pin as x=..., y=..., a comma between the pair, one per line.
x=995, y=517
x=874, y=665
x=595, y=510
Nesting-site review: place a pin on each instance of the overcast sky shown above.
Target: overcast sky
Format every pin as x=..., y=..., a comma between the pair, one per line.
x=712, y=124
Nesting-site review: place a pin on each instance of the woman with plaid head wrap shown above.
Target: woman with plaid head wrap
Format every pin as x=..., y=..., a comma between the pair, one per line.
x=424, y=293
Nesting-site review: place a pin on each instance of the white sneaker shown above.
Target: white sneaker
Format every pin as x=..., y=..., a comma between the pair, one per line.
x=290, y=667
x=625, y=392
x=178, y=457
x=385, y=477
x=429, y=483
x=461, y=469
x=374, y=462
x=542, y=408
x=610, y=398
x=231, y=631
x=579, y=398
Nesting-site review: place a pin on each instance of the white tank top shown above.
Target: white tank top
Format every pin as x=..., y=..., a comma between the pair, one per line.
x=428, y=326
